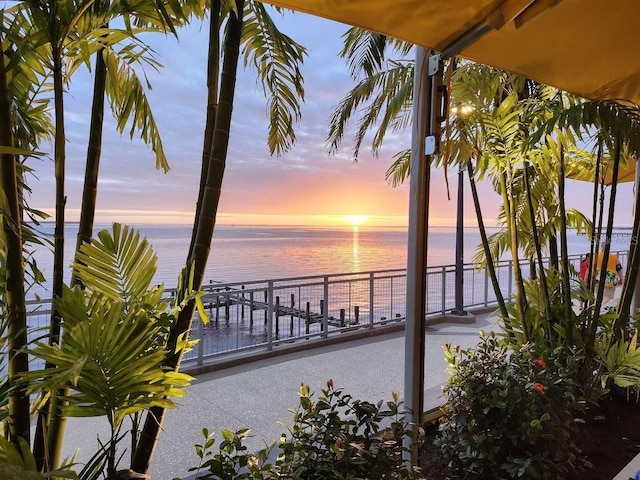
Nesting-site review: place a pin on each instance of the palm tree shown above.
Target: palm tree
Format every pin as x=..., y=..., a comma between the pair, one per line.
x=121, y=84
x=276, y=58
x=24, y=122
x=14, y=294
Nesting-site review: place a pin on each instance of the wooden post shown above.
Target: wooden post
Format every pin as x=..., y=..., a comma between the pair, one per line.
x=277, y=316
x=356, y=314
x=293, y=304
x=242, y=305
x=217, y=309
x=227, y=305
x=342, y=313
x=308, y=318
x=266, y=310
x=251, y=311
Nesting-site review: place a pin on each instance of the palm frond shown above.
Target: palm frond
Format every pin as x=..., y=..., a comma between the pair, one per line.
x=390, y=93
x=400, y=169
x=278, y=60
x=364, y=51
x=128, y=99
x=119, y=266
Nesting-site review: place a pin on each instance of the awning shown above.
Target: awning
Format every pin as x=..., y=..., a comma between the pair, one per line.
x=586, y=47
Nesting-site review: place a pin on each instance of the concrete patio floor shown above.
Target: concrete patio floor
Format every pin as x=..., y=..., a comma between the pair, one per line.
x=258, y=395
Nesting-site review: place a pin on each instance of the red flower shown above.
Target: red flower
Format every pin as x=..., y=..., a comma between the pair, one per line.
x=538, y=387
x=539, y=363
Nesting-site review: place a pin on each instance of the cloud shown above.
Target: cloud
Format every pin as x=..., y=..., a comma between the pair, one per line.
x=305, y=181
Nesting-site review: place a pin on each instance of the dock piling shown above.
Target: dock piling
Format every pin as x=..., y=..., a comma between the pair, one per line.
x=251, y=311
x=266, y=301
x=293, y=304
x=277, y=316
x=242, y=304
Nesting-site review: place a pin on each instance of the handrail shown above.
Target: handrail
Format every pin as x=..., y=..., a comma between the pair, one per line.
x=258, y=314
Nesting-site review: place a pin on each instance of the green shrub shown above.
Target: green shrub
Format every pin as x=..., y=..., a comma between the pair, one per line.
x=510, y=412
x=333, y=437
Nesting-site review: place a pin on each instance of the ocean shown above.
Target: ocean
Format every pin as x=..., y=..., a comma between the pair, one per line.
x=248, y=253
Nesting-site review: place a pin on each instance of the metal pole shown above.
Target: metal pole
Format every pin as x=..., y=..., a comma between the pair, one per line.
x=635, y=300
x=372, y=292
x=459, y=280
x=325, y=309
x=270, y=316
x=426, y=106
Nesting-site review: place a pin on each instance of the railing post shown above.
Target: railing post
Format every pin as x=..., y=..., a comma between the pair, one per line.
x=270, y=316
x=391, y=299
x=325, y=309
x=443, y=273
x=371, y=297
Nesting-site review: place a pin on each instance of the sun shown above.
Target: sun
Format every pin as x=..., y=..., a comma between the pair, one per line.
x=355, y=220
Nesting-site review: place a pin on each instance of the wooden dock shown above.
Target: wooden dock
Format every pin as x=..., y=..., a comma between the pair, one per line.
x=228, y=299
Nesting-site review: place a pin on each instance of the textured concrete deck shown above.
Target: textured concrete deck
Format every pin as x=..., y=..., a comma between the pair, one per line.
x=258, y=395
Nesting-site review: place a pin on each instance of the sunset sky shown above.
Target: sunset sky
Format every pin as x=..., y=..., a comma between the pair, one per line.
x=307, y=186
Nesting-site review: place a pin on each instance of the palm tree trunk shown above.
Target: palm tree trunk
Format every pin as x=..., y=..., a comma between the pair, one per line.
x=595, y=222
x=19, y=421
x=606, y=251
x=485, y=243
x=553, y=251
x=538, y=247
x=85, y=231
x=564, y=252
x=509, y=205
x=213, y=68
x=94, y=152
x=57, y=420
x=206, y=223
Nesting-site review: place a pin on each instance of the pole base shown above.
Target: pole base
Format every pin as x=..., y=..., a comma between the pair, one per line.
x=457, y=316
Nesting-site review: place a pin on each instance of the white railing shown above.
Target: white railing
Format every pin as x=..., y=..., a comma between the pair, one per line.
x=258, y=315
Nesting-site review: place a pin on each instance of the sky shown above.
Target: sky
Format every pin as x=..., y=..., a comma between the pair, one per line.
x=306, y=186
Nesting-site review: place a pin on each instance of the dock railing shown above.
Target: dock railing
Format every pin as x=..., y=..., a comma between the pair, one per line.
x=259, y=315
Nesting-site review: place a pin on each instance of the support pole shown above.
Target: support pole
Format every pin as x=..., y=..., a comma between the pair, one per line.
x=459, y=279
x=426, y=112
x=635, y=301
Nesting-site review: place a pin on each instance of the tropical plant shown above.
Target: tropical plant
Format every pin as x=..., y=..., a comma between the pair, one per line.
x=511, y=412
x=332, y=437
x=41, y=41
x=17, y=463
x=110, y=358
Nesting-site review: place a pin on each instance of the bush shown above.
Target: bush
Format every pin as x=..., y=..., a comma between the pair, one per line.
x=333, y=437
x=510, y=412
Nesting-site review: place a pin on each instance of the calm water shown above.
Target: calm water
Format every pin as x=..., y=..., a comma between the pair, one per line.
x=245, y=253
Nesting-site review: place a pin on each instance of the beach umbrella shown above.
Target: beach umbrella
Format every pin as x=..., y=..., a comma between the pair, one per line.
x=586, y=47
x=585, y=172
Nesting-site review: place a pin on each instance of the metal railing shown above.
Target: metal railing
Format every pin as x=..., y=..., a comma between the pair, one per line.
x=261, y=314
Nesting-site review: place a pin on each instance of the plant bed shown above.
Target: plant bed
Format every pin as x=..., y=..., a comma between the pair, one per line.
x=609, y=439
